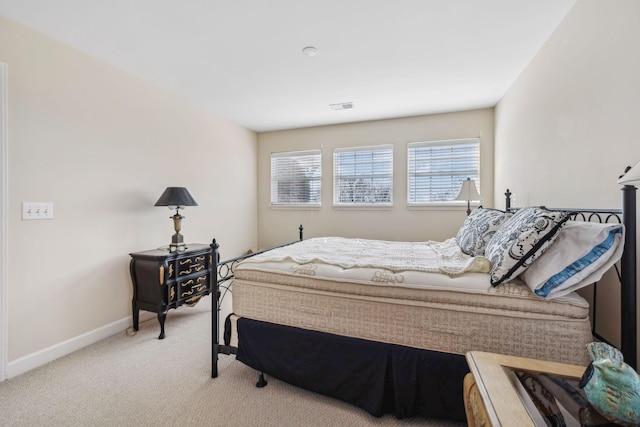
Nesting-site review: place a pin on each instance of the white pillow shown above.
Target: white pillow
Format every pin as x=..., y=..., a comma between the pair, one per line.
x=581, y=254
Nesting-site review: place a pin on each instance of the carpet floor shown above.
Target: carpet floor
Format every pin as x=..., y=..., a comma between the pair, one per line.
x=137, y=380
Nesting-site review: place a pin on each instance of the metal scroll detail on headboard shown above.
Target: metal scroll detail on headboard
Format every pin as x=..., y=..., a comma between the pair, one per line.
x=627, y=273
x=224, y=277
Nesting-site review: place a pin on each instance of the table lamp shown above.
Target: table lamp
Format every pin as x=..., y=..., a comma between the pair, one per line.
x=176, y=198
x=468, y=192
x=630, y=175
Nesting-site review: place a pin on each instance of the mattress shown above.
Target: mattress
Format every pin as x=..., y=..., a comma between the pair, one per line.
x=420, y=309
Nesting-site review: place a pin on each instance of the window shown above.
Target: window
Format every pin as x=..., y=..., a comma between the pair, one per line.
x=363, y=176
x=436, y=169
x=296, y=178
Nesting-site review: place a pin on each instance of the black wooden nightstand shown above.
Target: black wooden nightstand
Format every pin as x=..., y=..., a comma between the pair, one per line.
x=163, y=280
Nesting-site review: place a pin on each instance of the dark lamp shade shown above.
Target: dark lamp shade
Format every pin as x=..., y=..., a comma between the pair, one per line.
x=176, y=196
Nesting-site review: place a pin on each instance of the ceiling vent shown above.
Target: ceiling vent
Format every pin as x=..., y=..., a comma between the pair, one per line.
x=310, y=51
x=341, y=106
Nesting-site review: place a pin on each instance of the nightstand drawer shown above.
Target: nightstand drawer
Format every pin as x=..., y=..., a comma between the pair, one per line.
x=194, y=286
x=192, y=265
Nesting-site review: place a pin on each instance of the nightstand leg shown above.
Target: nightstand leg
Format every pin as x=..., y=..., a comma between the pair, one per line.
x=161, y=316
x=136, y=314
x=134, y=304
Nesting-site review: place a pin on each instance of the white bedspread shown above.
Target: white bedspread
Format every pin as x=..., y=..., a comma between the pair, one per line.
x=433, y=257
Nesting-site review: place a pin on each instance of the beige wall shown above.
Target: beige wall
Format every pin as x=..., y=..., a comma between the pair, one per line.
x=568, y=126
x=277, y=225
x=102, y=146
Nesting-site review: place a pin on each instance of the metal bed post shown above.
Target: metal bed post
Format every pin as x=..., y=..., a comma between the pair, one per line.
x=507, y=202
x=218, y=278
x=216, y=347
x=628, y=298
x=215, y=298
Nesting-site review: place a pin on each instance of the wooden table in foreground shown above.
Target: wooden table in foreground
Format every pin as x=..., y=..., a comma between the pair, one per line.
x=489, y=395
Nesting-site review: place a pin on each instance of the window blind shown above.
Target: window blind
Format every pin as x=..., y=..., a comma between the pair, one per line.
x=363, y=176
x=436, y=169
x=296, y=178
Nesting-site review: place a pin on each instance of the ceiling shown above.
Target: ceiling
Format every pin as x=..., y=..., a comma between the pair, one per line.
x=243, y=60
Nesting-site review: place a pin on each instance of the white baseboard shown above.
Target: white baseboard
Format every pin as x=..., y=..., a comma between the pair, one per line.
x=44, y=356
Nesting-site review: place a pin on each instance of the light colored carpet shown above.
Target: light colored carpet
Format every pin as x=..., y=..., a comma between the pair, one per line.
x=138, y=380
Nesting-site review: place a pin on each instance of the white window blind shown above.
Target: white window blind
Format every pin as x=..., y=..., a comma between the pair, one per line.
x=296, y=178
x=436, y=169
x=363, y=176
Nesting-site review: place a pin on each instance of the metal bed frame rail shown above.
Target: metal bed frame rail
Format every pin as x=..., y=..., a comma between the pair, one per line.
x=224, y=273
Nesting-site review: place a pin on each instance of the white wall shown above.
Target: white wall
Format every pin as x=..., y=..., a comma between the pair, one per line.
x=568, y=126
x=399, y=223
x=102, y=146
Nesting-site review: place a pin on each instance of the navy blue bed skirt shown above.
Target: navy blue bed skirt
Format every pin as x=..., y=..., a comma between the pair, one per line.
x=377, y=377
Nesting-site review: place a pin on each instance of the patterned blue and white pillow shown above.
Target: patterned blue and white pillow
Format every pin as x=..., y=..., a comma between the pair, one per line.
x=521, y=239
x=478, y=229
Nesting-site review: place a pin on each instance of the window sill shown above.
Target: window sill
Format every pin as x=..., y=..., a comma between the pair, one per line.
x=296, y=207
x=443, y=206
x=363, y=207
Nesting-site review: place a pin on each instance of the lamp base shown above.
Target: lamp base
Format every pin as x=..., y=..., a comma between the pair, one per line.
x=177, y=243
x=177, y=248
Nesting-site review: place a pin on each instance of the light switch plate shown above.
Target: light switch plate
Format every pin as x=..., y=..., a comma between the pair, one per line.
x=37, y=210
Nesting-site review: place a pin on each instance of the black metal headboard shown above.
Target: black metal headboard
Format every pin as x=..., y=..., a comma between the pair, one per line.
x=627, y=273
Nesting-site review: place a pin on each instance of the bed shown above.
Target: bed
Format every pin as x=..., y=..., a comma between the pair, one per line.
x=391, y=337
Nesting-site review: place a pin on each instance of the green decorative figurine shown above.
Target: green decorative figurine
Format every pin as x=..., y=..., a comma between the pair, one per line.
x=611, y=386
